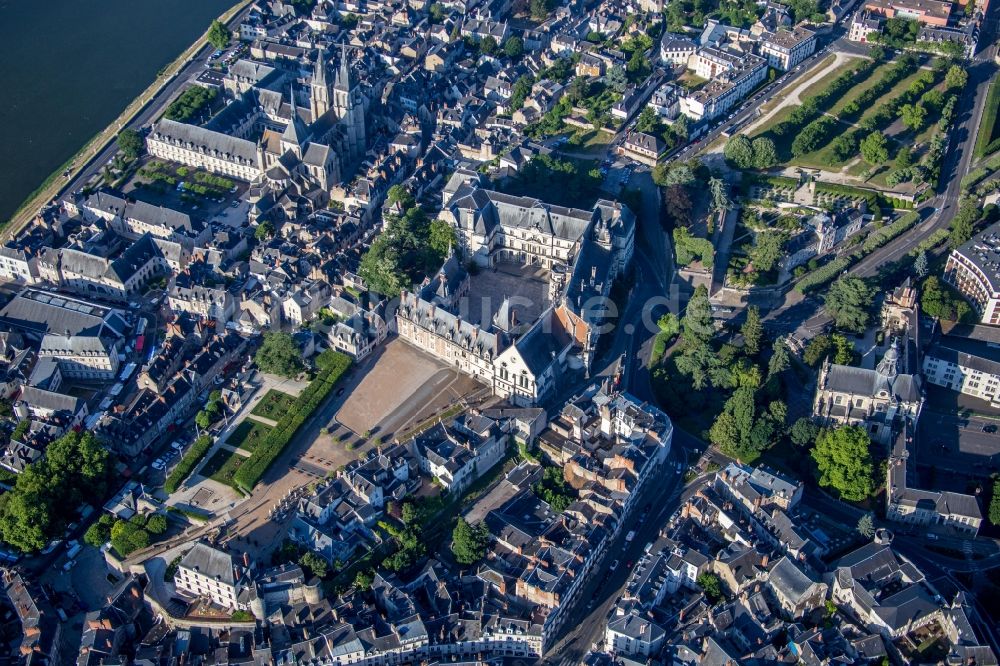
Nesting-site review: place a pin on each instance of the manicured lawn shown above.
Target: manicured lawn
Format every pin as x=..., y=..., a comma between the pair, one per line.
x=895, y=92
x=779, y=117
x=222, y=466
x=824, y=82
x=691, y=81
x=857, y=90
x=273, y=405
x=248, y=434
x=780, y=97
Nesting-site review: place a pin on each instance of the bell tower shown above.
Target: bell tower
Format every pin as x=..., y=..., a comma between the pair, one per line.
x=319, y=89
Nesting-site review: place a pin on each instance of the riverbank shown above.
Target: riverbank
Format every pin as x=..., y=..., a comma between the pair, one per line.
x=56, y=183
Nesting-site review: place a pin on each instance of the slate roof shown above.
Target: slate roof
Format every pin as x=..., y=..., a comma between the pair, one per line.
x=210, y=562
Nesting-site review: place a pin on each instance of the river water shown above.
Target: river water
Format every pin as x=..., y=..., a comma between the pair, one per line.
x=69, y=67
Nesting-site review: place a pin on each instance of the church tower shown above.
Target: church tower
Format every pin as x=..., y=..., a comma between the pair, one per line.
x=296, y=134
x=342, y=85
x=319, y=90
x=349, y=107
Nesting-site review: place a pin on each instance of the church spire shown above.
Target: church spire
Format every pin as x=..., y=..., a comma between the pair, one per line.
x=319, y=72
x=343, y=81
x=295, y=132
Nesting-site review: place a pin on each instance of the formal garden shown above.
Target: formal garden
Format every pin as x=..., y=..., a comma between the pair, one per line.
x=273, y=405
x=248, y=435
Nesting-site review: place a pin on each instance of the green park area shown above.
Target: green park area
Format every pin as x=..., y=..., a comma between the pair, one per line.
x=882, y=122
x=273, y=405
x=248, y=434
x=222, y=466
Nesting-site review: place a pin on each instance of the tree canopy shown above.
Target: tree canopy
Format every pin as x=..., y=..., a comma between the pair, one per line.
x=130, y=143
x=410, y=247
x=219, y=35
x=875, y=148
x=279, y=355
x=844, y=462
x=848, y=301
x=469, y=542
x=46, y=495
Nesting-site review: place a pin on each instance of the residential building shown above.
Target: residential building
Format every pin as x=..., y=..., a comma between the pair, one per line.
x=974, y=270
x=786, y=48
x=206, y=572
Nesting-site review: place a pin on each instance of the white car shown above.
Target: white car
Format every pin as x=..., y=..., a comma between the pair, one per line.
x=614, y=565
x=157, y=464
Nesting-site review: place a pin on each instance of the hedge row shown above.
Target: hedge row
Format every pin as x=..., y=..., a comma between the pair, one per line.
x=332, y=365
x=825, y=274
x=819, y=103
x=188, y=463
x=880, y=237
x=886, y=113
x=903, y=68
x=985, y=143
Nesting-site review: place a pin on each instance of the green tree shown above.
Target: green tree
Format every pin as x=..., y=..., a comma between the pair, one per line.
x=488, y=45
x=409, y=513
x=904, y=158
x=956, y=77
x=817, y=350
x=739, y=151
x=514, y=47
x=739, y=431
x=844, y=146
x=540, y=9
x=710, y=586
x=803, y=432
x=994, y=511
x=99, y=533
x=848, y=301
x=963, y=225
x=913, y=116
x=218, y=35
x=920, y=265
x=313, y=564
x=130, y=143
x=720, y=198
x=648, y=122
x=767, y=250
x=780, y=359
x=203, y=419
x=398, y=195
x=520, y=91
x=617, y=79
x=765, y=155
x=264, y=230
x=844, y=462
x=866, y=525
x=46, y=495
x=669, y=174
x=157, y=524
x=363, y=580
x=436, y=12
x=469, y=542
x=697, y=326
x=128, y=536
x=875, y=148
x=441, y=238
x=279, y=355
x=752, y=331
